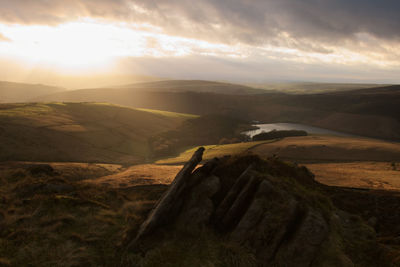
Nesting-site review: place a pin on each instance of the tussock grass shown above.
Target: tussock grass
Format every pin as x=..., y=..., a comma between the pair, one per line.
x=81, y=227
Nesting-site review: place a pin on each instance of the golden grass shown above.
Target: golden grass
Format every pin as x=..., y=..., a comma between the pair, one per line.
x=367, y=162
x=83, y=132
x=375, y=175
x=213, y=151
x=143, y=174
x=331, y=149
x=169, y=113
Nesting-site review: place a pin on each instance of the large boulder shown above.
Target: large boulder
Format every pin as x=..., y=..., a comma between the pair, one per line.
x=275, y=209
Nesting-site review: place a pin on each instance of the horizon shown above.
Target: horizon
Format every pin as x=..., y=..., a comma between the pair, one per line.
x=257, y=42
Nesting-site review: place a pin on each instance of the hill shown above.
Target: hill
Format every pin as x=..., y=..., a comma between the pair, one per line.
x=80, y=132
x=336, y=161
x=373, y=112
x=50, y=216
x=311, y=87
x=306, y=149
x=199, y=86
x=11, y=92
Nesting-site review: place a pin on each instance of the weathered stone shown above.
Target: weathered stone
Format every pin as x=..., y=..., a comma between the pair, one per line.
x=169, y=205
x=227, y=202
x=199, y=207
x=283, y=220
x=304, y=246
x=241, y=203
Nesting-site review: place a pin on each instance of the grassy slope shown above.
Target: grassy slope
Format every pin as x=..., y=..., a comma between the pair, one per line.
x=66, y=223
x=307, y=149
x=213, y=151
x=338, y=161
x=11, y=92
x=79, y=132
x=312, y=87
x=196, y=86
x=367, y=112
x=331, y=149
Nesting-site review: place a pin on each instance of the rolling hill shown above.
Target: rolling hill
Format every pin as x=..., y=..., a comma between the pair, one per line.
x=199, y=86
x=312, y=87
x=335, y=161
x=132, y=94
x=372, y=112
x=11, y=92
x=79, y=132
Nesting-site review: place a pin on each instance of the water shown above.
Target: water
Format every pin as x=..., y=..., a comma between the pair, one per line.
x=292, y=126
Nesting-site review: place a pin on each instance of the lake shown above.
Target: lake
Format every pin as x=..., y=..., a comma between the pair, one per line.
x=292, y=126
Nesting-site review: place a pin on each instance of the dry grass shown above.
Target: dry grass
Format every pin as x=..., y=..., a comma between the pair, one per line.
x=143, y=174
x=81, y=226
x=331, y=149
x=70, y=171
x=213, y=151
x=79, y=132
x=367, y=162
x=376, y=175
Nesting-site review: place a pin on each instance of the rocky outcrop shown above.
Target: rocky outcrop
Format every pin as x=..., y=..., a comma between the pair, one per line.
x=274, y=208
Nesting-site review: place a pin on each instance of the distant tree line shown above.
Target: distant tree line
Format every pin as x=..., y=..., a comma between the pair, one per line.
x=274, y=134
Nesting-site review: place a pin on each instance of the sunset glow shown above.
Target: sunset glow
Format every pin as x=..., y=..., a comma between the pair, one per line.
x=267, y=42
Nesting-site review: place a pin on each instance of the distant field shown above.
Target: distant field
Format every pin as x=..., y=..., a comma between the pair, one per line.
x=331, y=149
x=305, y=149
x=213, y=151
x=169, y=113
x=377, y=175
x=80, y=132
x=312, y=87
x=337, y=161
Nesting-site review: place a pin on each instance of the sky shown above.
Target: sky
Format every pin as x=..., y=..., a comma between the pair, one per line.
x=235, y=40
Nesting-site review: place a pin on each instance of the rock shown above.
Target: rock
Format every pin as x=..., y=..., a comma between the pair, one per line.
x=274, y=209
x=199, y=207
x=303, y=247
x=171, y=202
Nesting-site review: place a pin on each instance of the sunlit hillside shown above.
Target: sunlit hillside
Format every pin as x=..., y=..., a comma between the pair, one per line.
x=80, y=132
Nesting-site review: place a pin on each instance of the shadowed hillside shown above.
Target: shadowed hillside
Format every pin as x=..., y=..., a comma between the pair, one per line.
x=79, y=132
x=311, y=87
x=367, y=112
x=195, y=86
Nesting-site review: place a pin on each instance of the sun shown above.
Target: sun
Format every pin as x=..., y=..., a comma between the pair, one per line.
x=73, y=46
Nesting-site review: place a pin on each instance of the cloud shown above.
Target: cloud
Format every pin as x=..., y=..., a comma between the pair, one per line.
x=347, y=32
x=253, y=22
x=4, y=38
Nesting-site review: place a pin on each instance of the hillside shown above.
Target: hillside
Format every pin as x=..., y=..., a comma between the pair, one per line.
x=79, y=132
x=199, y=86
x=306, y=149
x=335, y=161
x=366, y=112
x=51, y=216
x=11, y=92
x=311, y=87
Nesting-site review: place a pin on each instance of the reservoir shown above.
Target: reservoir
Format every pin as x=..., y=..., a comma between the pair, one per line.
x=292, y=126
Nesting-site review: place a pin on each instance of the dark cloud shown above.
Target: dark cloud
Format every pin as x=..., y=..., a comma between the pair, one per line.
x=229, y=21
